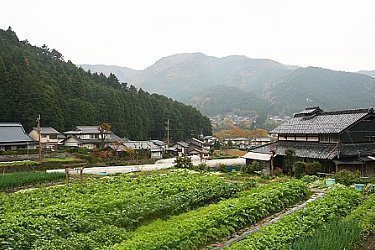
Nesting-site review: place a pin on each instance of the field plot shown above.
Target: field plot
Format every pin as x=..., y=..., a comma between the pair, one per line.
x=20, y=179
x=197, y=228
x=337, y=203
x=100, y=213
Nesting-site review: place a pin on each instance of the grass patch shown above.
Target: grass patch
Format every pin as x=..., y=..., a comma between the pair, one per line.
x=19, y=179
x=67, y=159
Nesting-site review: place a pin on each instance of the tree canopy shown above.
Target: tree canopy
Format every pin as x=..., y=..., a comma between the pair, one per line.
x=38, y=80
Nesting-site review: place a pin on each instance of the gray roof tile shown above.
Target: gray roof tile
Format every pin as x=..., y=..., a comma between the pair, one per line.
x=321, y=122
x=13, y=132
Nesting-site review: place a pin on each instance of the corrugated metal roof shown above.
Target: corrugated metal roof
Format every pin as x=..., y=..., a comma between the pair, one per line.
x=321, y=123
x=257, y=156
x=13, y=132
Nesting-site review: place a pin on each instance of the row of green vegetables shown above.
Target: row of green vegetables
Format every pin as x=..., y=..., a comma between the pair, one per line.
x=199, y=227
x=346, y=233
x=337, y=203
x=103, y=209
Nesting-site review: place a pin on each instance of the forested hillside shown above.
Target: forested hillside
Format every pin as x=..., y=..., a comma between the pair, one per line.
x=37, y=80
x=262, y=84
x=329, y=89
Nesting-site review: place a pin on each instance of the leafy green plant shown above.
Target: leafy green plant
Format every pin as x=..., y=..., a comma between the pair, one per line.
x=312, y=168
x=196, y=228
x=298, y=169
x=347, y=177
x=125, y=201
x=252, y=168
x=345, y=233
x=337, y=203
x=183, y=162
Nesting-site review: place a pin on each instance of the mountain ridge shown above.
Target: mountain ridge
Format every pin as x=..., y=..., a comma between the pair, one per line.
x=192, y=77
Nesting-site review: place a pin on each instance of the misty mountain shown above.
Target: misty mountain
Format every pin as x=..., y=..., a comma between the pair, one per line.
x=221, y=99
x=368, y=72
x=179, y=75
x=328, y=89
x=238, y=84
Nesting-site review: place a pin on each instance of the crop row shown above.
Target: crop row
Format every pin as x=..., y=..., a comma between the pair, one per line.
x=124, y=202
x=337, y=203
x=199, y=227
x=23, y=178
x=345, y=233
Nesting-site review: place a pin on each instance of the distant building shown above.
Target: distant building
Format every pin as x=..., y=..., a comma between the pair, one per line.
x=89, y=137
x=338, y=140
x=50, y=138
x=13, y=137
x=156, y=152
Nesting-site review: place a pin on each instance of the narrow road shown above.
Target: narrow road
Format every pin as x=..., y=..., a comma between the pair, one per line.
x=160, y=164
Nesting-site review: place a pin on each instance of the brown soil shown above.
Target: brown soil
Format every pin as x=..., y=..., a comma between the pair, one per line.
x=368, y=244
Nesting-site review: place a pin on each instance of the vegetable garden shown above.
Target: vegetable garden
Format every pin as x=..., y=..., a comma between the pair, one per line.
x=181, y=210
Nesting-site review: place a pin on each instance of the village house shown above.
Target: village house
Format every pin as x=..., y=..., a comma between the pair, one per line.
x=89, y=137
x=155, y=151
x=13, y=137
x=50, y=138
x=241, y=142
x=197, y=147
x=337, y=139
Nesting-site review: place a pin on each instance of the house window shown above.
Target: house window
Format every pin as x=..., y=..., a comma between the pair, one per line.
x=290, y=138
x=300, y=138
x=324, y=138
x=312, y=138
x=53, y=136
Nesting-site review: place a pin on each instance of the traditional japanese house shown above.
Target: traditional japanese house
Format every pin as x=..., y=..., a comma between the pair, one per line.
x=337, y=139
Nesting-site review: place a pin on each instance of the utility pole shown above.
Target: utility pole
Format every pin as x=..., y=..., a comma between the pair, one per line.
x=167, y=129
x=39, y=134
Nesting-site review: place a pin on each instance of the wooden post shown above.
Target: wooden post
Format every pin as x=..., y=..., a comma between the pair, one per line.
x=67, y=174
x=39, y=135
x=81, y=174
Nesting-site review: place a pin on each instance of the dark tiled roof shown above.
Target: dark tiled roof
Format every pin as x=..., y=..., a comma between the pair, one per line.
x=13, y=132
x=302, y=149
x=321, y=122
x=357, y=149
x=317, y=150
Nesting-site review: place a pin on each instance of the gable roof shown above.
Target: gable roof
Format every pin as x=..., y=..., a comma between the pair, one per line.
x=88, y=129
x=319, y=122
x=47, y=131
x=13, y=132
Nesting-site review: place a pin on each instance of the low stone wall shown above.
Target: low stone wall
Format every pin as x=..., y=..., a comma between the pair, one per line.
x=33, y=157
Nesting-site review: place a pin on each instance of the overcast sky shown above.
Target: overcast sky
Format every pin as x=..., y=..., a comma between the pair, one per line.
x=335, y=34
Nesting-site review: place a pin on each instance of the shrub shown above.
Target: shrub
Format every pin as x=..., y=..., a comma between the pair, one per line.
x=200, y=167
x=347, y=177
x=183, y=162
x=309, y=178
x=313, y=167
x=250, y=169
x=299, y=169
